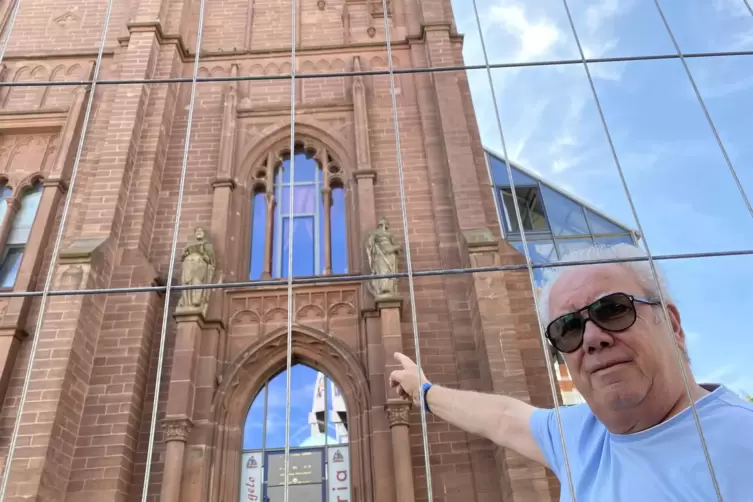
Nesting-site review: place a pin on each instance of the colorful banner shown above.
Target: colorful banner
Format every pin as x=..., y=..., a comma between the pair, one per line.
x=252, y=485
x=338, y=474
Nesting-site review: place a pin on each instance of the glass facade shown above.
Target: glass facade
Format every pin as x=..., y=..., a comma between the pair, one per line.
x=319, y=467
x=554, y=223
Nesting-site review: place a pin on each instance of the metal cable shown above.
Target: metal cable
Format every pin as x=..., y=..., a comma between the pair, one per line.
x=171, y=267
x=750, y=9
x=544, y=344
x=705, y=109
x=409, y=263
x=291, y=222
x=367, y=73
x=55, y=252
x=11, y=23
x=669, y=332
x=364, y=277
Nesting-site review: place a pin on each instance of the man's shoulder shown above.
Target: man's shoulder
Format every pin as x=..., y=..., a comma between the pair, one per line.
x=578, y=421
x=723, y=400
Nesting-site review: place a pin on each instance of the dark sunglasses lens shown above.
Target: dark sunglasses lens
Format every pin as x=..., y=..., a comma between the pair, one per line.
x=613, y=313
x=566, y=332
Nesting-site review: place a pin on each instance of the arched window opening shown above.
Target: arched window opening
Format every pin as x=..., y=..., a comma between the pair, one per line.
x=319, y=467
x=318, y=216
x=18, y=236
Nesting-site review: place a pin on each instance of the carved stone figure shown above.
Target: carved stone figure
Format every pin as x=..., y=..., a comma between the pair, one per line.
x=198, y=268
x=382, y=254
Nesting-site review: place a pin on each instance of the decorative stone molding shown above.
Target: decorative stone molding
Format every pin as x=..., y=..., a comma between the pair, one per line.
x=177, y=429
x=398, y=413
x=483, y=247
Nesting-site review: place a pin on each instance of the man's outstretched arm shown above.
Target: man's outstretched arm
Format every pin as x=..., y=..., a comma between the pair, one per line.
x=501, y=419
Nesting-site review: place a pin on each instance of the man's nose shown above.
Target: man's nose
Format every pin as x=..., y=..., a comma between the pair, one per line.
x=596, y=339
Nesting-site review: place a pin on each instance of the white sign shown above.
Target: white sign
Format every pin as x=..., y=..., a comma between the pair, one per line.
x=338, y=474
x=251, y=482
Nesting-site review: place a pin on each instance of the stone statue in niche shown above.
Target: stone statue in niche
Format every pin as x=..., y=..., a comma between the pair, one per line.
x=382, y=252
x=198, y=268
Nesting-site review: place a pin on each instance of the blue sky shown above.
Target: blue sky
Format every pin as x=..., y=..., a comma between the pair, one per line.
x=685, y=196
x=303, y=380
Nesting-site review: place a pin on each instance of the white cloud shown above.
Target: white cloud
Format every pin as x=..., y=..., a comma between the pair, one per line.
x=735, y=8
x=536, y=38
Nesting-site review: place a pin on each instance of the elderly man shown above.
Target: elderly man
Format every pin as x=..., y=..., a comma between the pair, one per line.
x=636, y=438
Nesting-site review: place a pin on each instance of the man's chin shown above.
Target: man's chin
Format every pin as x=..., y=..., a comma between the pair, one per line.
x=620, y=396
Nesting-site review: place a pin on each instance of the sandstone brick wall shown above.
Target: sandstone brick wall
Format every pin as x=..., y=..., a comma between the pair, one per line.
x=84, y=433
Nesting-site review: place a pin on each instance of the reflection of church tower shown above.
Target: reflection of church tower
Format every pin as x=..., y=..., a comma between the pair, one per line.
x=334, y=405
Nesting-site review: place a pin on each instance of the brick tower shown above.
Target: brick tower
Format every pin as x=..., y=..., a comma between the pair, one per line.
x=87, y=410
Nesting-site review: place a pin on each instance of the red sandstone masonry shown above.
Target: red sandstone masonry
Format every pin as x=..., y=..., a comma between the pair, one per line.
x=85, y=430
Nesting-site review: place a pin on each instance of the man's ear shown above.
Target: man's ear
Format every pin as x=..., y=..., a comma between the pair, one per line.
x=675, y=324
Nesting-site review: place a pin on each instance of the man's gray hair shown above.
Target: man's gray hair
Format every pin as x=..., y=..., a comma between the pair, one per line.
x=640, y=269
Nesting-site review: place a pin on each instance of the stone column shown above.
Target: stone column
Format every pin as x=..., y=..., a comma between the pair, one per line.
x=180, y=399
x=398, y=412
x=176, y=436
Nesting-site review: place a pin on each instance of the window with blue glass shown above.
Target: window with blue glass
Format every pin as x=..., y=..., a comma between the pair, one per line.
x=313, y=181
x=20, y=230
x=554, y=224
x=318, y=439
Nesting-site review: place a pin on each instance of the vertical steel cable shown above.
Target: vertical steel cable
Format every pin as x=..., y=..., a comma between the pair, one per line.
x=291, y=221
x=409, y=263
x=11, y=23
x=526, y=253
x=703, y=106
x=173, y=248
x=56, y=248
x=651, y=263
x=747, y=4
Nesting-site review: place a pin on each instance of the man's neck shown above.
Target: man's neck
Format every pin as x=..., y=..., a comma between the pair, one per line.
x=641, y=421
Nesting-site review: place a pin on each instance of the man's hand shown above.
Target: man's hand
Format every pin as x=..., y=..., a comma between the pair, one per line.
x=406, y=381
x=502, y=419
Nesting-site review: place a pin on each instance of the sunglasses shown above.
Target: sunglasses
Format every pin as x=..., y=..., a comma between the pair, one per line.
x=614, y=312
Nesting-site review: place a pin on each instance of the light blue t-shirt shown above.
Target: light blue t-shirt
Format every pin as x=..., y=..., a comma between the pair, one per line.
x=664, y=463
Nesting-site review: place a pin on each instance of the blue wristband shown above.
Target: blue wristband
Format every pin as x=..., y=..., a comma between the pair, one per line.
x=424, y=389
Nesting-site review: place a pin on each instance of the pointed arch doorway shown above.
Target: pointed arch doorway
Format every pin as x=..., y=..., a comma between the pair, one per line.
x=319, y=467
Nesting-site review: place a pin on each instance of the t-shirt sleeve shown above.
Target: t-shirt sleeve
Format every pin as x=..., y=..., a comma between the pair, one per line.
x=546, y=432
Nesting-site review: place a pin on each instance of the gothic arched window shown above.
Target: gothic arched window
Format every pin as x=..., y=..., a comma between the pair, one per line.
x=20, y=230
x=318, y=217
x=319, y=452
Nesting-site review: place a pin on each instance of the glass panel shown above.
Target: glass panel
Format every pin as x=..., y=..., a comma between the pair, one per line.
x=9, y=267
x=338, y=240
x=21, y=228
x=531, y=210
x=4, y=194
x=541, y=251
x=303, y=246
x=306, y=467
x=305, y=169
x=258, y=231
x=253, y=430
x=298, y=493
x=566, y=217
x=567, y=246
x=307, y=409
x=611, y=241
x=303, y=201
x=600, y=225
x=499, y=174
x=301, y=388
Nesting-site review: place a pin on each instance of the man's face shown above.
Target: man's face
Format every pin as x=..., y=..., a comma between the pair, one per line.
x=616, y=371
x=199, y=233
